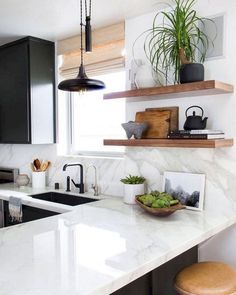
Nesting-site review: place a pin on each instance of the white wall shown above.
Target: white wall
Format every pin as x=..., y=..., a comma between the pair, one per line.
x=219, y=165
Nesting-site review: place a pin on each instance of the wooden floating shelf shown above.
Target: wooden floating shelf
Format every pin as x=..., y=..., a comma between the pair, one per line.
x=210, y=87
x=178, y=143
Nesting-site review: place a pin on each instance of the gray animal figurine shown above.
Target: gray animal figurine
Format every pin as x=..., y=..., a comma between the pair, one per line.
x=135, y=129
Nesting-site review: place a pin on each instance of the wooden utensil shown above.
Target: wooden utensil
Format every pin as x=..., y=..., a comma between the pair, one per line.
x=158, y=121
x=44, y=166
x=174, y=116
x=32, y=167
x=41, y=166
x=37, y=164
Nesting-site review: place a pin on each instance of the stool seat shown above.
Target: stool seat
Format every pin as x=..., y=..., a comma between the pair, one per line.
x=206, y=278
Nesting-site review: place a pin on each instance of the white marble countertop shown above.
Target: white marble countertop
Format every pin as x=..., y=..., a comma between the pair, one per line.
x=97, y=248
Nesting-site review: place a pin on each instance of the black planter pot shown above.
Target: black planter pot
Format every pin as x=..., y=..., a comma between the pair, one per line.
x=193, y=72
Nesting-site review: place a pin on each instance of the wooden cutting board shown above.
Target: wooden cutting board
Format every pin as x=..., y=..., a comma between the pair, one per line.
x=158, y=121
x=174, y=116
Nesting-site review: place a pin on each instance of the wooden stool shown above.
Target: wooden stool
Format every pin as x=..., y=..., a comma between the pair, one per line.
x=206, y=278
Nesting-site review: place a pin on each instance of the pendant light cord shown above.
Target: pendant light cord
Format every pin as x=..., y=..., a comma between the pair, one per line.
x=81, y=33
x=81, y=24
x=90, y=8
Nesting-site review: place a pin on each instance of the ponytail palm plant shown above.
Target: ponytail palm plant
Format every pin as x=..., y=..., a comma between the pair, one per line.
x=177, y=37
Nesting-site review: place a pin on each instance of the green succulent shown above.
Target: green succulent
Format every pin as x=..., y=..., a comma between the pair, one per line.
x=155, y=193
x=160, y=203
x=133, y=179
x=147, y=200
x=157, y=199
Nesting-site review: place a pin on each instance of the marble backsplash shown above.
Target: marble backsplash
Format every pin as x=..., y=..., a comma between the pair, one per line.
x=110, y=170
x=218, y=165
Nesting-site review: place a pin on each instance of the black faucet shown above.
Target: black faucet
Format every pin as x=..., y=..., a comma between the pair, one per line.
x=79, y=185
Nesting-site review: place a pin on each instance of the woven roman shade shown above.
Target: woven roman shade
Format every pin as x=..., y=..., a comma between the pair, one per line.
x=107, y=55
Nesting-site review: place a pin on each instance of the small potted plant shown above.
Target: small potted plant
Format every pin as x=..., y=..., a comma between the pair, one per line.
x=133, y=186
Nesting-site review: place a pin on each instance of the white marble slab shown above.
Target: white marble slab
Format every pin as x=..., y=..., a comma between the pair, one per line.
x=97, y=248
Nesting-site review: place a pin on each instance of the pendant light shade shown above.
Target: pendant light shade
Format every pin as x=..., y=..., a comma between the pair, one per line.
x=82, y=82
x=78, y=84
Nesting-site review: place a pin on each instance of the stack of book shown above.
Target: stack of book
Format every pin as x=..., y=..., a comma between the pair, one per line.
x=197, y=134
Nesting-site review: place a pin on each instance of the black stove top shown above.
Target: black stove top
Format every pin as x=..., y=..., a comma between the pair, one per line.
x=8, y=175
x=5, y=181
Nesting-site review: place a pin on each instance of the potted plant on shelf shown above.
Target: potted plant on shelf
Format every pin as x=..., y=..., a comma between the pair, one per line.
x=176, y=41
x=133, y=186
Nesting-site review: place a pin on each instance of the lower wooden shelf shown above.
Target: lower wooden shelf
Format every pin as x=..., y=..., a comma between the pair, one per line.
x=179, y=143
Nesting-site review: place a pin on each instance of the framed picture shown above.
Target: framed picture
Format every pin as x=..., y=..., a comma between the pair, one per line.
x=188, y=188
x=216, y=31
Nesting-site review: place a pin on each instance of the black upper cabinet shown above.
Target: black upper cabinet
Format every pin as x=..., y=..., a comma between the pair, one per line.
x=27, y=91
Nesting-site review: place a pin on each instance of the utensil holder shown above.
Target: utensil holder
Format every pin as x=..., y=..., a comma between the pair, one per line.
x=39, y=179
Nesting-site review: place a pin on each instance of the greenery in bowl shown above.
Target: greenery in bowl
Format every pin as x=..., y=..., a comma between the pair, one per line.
x=156, y=199
x=133, y=179
x=176, y=37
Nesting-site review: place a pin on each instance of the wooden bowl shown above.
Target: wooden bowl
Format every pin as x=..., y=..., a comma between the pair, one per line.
x=161, y=212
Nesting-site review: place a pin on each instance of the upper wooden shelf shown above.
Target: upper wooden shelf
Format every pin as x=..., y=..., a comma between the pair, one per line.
x=210, y=87
x=179, y=143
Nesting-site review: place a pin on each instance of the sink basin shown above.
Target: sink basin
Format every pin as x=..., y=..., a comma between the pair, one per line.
x=65, y=199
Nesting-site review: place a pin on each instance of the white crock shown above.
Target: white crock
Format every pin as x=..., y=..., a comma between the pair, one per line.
x=39, y=179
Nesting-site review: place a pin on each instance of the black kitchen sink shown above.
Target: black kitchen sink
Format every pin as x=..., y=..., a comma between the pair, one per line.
x=65, y=199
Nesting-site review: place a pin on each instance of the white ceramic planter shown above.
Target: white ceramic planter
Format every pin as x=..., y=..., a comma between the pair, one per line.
x=39, y=179
x=131, y=191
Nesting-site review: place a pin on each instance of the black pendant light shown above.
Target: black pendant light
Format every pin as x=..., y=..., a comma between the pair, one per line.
x=82, y=82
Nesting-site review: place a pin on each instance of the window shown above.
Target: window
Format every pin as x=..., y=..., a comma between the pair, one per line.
x=93, y=119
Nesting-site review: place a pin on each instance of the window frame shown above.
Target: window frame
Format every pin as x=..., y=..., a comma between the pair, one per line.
x=71, y=146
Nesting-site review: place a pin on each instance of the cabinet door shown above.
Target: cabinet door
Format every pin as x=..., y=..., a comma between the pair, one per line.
x=29, y=214
x=14, y=94
x=42, y=79
x=141, y=286
x=32, y=213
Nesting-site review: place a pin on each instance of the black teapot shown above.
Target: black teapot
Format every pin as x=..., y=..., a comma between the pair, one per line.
x=195, y=122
